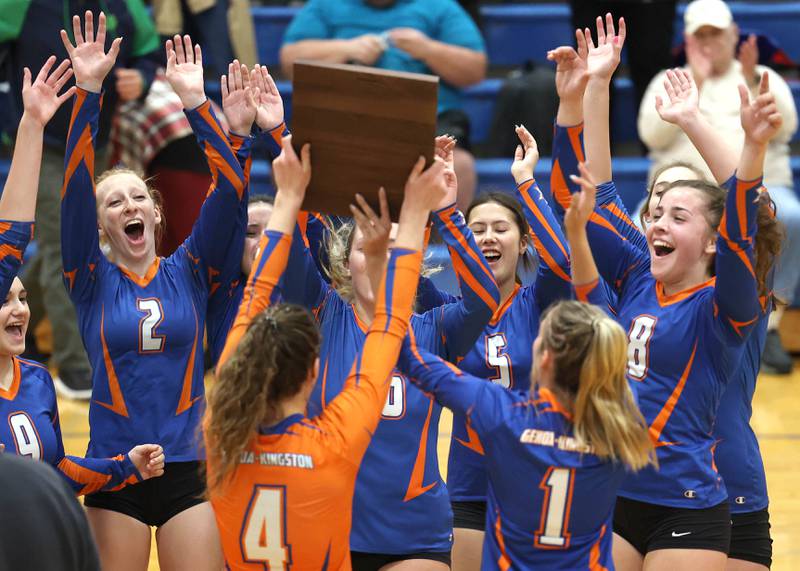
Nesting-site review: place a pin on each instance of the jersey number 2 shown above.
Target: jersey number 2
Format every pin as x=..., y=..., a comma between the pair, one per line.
x=638, y=346
x=498, y=360
x=263, y=538
x=149, y=341
x=557, y=485
x=25, y=435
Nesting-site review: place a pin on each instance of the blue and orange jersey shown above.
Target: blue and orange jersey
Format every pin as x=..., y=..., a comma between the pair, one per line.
x=29, y=426
x=401, y=503
x=684, y=348
x=289, y=501
x=144, y=335
x=502, y=352
x=14, y=238
x=550, y=500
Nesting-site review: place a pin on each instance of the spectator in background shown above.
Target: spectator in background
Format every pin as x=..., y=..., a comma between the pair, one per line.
x=711, y=42
x=223, y=27
x=30, y=40
x=421, y=36
x=43, y=525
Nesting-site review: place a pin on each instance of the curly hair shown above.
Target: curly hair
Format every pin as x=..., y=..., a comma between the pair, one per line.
x=270, y=364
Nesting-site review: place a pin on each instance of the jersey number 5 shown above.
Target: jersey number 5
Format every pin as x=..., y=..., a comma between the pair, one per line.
x=557, y=485
x=263, y=538
x=149, y=341
x=499, y=360
x=639, y=345
x=25, y=436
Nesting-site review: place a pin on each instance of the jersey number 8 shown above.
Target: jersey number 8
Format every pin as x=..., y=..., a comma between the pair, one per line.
x=638, y=345
x=263, y=538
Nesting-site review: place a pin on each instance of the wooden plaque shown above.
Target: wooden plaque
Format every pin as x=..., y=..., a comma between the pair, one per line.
x=366, y=126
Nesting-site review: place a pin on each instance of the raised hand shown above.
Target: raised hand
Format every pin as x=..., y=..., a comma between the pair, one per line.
x=90, y=62
x=270, y=112
x=238, y=99
x=699, y=60
x=526, y=156
x=40, y=98
x=748, y=57
x=583, y=202
x=761, y=119
x=375, y=229
x=425, y=188
x=185, y=71
x=571, y=68
x=602, y=60
x=292, y=174
x=444, y=146
x=683, y=98
x=148, y=459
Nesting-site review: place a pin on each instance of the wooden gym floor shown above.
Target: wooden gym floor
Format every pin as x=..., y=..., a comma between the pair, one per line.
x=776, y=420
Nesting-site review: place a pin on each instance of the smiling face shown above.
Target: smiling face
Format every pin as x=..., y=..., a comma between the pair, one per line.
x=499, y=239
x=258, y=214
x=14, y=318
x=127, y=217
x=680, y=239
x=664, y=179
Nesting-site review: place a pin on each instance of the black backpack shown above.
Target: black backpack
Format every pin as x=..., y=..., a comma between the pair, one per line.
x=528, y=97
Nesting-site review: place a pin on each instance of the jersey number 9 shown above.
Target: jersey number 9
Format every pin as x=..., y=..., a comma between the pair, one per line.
x=25, y=436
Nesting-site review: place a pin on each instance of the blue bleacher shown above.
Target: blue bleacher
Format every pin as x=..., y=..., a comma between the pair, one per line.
x=515, y=33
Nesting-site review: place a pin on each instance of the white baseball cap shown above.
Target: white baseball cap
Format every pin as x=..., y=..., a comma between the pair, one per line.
x=701, y=13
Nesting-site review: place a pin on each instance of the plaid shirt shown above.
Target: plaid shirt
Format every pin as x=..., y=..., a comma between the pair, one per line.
x=141, y=129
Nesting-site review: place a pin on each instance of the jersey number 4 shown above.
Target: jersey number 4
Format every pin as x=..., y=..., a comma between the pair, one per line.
x=263, y=538
x=149, y=341
x=557, y=485
x=25, y=436
x=497, y=359
x=638, y=346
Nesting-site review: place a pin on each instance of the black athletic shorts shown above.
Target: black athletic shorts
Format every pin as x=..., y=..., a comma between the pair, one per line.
x=469, y=515
x=750, y=538
x=373, y=561
x=455, y=122
x=648, y=527
x=157, y=500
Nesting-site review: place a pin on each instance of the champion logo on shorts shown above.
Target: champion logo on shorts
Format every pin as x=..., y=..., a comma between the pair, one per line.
x=740, y=500
x=691, y=494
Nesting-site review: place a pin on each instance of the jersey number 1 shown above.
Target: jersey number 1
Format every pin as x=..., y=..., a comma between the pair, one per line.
x=149, y=341
x=557, y=485
x=263, y=538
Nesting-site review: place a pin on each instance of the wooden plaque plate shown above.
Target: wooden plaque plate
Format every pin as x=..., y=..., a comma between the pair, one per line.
x=366, y=126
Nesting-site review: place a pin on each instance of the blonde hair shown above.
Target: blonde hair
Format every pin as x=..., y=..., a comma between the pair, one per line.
x=271, y=363
x=590, y=352
x=338, y=244
x=154, y=194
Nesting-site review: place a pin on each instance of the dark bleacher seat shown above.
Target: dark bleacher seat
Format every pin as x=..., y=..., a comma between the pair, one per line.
x=479, y=103
x=516, y=33
x=271, y=23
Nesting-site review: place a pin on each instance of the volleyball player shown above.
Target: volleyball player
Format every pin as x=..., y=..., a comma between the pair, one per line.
x=142, y=318
x=401, y=511
x=691, y=300
x=27, y=394
x=555, y=457
x=282, y=483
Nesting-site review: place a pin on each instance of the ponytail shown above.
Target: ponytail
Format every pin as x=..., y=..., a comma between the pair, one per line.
x=271, y=363
x=590, y=351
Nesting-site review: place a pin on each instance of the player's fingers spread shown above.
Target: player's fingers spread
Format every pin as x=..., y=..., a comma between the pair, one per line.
x=763, y=86
x=610, y=31
x=45, y=70
x=112, y=53
x=744, y=96
x=62, y=73
x=187, y=48
x=384, y=205
x=305, y=155
x=89, y=26
x=223, y=87
x=601, y=32
x=587, y=36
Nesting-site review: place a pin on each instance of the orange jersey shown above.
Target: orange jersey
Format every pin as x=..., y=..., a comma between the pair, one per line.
x=289, y=501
